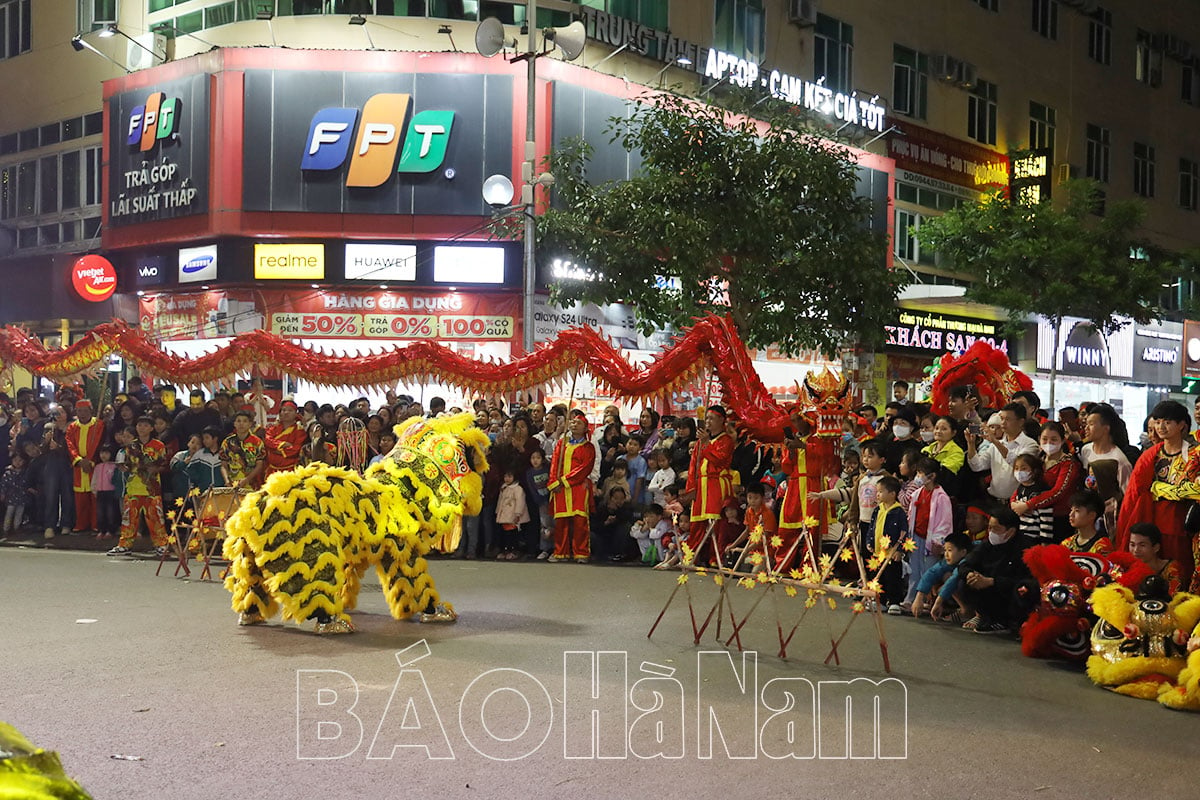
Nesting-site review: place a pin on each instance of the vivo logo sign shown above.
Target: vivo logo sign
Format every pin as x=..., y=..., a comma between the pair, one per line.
x=150, y=272
x=198, y=264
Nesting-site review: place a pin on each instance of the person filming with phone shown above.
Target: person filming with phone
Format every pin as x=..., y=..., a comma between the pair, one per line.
x=998, y=459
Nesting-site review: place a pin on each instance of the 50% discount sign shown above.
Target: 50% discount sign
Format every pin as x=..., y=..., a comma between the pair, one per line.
x=317, y=325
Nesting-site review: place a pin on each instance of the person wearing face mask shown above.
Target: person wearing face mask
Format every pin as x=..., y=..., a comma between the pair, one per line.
x=930, y=521
x=902, y=438
x=1037, y=526
x=992, y=574
x=1063, y=476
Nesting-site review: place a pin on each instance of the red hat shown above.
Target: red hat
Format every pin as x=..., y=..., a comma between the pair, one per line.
x=291, y=403
x=84, y=403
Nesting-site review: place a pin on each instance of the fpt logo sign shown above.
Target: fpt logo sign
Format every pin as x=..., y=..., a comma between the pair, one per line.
x=376, y=138
x=149, y=124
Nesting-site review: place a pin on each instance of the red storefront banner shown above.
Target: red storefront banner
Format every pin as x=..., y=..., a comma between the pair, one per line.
x=943, y=157
x=333, y=314
x=191, y=315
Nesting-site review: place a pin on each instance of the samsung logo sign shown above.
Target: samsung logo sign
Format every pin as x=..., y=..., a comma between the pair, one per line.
x=198, y=264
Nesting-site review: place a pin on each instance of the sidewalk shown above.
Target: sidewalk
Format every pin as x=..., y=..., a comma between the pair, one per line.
x=87, y=542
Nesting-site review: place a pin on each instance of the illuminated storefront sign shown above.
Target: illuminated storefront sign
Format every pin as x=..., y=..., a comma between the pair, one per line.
x=94, y=278
x=381, y=262
x=282, y=262
x=1030, y=176
x=945, y=158
x=930, y=332
x=198, y=264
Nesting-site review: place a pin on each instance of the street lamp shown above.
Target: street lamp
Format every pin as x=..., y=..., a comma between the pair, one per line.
x=490, y=39
x=78, y=43
x=111, y=30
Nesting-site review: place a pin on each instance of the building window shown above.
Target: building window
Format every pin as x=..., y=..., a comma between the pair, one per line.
x=981, y=113
x=833, y=49
x=910, y=82
x=989, y=5
x=738, y=28
x=15, y=27
x=1143, y=169
x=1045, y=18
x=1190, y=86
x=1100, y=36
x=1098, y=141
x=1041, y=126
x=1148, y=69
x=1189, y=184
x=92, y=15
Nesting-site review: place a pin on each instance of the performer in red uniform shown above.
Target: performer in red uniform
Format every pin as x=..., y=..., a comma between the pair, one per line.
x=84, y=436
x=1164, y=481
x=284, y=439
x=793, y=508
x=708, y=481
x=570, y=488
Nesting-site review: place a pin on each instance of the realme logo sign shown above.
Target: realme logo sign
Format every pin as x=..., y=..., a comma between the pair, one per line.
x=282, y=262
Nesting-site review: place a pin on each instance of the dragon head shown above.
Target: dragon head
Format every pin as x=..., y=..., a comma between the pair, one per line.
x=825, y=400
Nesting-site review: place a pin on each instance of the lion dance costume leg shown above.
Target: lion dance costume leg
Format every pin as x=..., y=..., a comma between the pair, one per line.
x=302, y=543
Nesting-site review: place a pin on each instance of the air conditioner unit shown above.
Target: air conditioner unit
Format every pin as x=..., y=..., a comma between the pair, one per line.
x=137, y=54
x=1064, y=173
x=946, y=68
x=802, y=13
x=968, y=75
x=1177, y=48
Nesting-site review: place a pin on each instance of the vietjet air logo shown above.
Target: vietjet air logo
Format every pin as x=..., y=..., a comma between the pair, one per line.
x=376, y=139
x=149, y=124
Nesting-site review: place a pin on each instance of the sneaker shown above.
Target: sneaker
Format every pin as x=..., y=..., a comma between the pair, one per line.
x=556, y=559
x=894, y=610
x=49, y=533
x=582, y=559
x=991, y=628
x=542, y=556
x=161, y=551
x=118, y=551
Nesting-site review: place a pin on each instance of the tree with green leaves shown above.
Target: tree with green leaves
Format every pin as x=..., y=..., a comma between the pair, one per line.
x=1056, y=260
x=755, y=217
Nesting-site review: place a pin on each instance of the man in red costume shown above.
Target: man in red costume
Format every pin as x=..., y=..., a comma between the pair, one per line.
x=708, y=481
x=83, y=444
x=1164, y=480
x=793, y=509
x=570, y=488
x=284, y=439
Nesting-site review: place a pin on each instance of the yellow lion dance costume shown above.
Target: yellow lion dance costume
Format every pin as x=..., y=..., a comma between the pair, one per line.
x=303, y=542
x=1140, y=646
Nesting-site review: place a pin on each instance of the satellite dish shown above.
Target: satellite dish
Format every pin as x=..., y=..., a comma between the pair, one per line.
x=489, y=37
x=569, y=39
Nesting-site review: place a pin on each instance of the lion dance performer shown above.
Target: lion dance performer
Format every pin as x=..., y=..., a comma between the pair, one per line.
x=570, y=487
x=708, y=481
x=84, y=436
x=303, y=542
x=284, y=440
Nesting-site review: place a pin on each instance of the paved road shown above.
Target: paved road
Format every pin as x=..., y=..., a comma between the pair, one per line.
x=164, y=673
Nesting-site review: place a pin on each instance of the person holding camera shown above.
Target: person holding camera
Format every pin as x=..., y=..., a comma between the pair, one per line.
x=998, y=459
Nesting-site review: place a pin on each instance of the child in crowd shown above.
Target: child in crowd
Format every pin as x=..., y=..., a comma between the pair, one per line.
x=649, y=532
x=663, y=477
x=1103, y=478
x=538, y=478
x=511, y=514
x=930, y=521
x=618, y=477
x=944, y=574
x=759, y=521
x=976, y=522
x=387, y=442
x=889, y=521
x=14, y=492
x=35, y=474
x=611, y=524
x=730, y=526
x=1037, y=525
x=908, y=474
x=108, y=506
x=671, y=552
x=1086, y=509
x=673, y=507
x=1145, y=542
x=636, y=470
